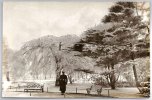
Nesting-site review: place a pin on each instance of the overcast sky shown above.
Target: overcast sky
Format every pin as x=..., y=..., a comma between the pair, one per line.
x=24, y=21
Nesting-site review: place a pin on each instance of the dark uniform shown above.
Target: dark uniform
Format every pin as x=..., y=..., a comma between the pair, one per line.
x=63, y=82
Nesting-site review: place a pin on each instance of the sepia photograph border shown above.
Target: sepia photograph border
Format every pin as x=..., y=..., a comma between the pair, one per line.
x=1, y=39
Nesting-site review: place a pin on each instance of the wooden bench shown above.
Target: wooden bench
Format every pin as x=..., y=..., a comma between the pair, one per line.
x=34, y=87
x=94, y=88
x=145, y=88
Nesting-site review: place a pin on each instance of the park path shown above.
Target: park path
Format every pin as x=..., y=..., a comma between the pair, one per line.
x=118, y=93
x=73, y=91
x=48, y=95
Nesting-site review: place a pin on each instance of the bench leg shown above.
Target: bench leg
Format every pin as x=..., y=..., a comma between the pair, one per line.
x=41, y=90
x=88, y=92
x=99, y=93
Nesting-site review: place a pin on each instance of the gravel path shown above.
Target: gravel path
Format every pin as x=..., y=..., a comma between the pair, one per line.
x=53, y=92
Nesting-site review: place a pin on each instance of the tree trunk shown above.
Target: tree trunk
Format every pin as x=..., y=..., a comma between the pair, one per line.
x=135, y=75
x=58, y=69
x=70, y=79
x=113, y=79
x=113, y=85
x=57, y=78
x=112, y=82
x=7, y=76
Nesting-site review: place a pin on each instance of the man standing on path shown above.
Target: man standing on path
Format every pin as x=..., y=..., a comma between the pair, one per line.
x=63, y=82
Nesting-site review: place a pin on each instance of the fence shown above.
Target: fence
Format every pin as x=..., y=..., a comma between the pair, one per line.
x=75, y=89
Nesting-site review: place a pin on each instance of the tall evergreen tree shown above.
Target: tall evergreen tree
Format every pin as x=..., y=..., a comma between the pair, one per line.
x=124, y=40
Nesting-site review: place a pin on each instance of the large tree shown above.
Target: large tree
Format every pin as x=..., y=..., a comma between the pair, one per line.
x=130, y=31
x=123, y=41
x=39, y=54
x=5, y=66
x=45, y=56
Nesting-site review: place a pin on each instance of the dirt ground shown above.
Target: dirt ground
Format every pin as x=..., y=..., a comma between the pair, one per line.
x=74, y=91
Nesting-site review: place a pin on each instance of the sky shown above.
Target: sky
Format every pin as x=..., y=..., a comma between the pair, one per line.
x=24, y=21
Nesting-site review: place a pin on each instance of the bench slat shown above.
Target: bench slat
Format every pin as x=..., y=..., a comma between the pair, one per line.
x=34, y=86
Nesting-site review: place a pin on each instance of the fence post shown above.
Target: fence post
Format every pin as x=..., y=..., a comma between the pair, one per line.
x=108, y=93
x=42, y=87
x=47, y=89
x=76, y=89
